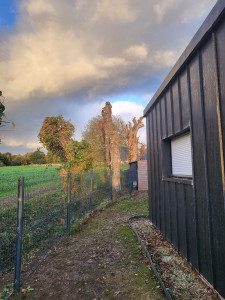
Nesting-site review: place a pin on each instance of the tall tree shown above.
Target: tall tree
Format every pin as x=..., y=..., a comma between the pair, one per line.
x=143, y=151
x=91, y=135
x=56, y=135
x=37, y=157
x=131, y=133
x=111, y=139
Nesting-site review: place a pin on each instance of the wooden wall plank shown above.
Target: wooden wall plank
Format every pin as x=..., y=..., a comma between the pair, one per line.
x=184, y=100
x=152, y=157
x=213, y=160
x=149, y=165
x=169, y=115
x=176, y=107
x=219, y=206
x=173, y=208
x=181, y=212
x=200, y=172
x=156, y=173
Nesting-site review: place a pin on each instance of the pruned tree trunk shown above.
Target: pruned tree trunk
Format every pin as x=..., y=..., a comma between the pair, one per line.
x=131, y=133
x=111, y=139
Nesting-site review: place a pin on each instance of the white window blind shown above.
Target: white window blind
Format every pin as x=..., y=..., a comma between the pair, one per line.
x=181, y=155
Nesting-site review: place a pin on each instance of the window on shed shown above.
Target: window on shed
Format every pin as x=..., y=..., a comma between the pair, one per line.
x=181, y=157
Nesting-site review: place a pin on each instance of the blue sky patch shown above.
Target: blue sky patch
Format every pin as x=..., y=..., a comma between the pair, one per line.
x=8, y=13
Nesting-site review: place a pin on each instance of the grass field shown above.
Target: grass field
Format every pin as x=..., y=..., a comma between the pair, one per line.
x=13, y=173
x=34, y=175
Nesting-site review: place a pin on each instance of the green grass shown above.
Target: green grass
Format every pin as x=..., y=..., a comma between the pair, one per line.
x=35, y=176
x=134, y=207
x=13, y=173
x=144, y=280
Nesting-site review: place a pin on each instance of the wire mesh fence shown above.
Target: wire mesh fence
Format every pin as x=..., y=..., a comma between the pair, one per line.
x=8, y=219
x=36, y=214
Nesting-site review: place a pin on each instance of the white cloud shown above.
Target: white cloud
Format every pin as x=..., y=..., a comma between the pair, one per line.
x=137, y=52
x=50, y=56
x=12, y=142
x=162, y=59
x=64, y=57
x=162, y=7
x=116, y=10
x=179, y=11
x=127, y=111
x=35, y=8
x=34, y=145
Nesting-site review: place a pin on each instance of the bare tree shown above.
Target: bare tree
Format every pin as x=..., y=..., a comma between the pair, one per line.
x=111, y=139
x=131, y=133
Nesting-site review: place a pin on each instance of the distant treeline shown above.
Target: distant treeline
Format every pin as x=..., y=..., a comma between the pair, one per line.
x=37, y=157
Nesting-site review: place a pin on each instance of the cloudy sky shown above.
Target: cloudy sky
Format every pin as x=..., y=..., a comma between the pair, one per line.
x=70, y=57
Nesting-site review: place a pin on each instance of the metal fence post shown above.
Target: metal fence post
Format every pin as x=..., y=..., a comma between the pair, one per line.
x=19, y=234
x=68, y=203
x=90, y=204
x=111, y=186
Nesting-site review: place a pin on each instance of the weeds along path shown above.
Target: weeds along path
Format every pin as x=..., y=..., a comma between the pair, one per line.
x=101, y=260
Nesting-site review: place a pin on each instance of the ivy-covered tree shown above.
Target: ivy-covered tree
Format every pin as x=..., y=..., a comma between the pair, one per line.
x=2, y=108
x=56, y=135
x=2, y=113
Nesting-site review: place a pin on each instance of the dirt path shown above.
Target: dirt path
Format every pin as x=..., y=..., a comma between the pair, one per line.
x=101, y=261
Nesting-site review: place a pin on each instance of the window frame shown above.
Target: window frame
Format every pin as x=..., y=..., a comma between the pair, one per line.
x=167, y=160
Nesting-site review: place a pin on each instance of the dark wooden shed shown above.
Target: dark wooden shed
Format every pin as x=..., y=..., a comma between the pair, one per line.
x=186, y=149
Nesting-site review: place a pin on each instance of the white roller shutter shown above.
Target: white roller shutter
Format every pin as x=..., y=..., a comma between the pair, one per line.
x=181, y=155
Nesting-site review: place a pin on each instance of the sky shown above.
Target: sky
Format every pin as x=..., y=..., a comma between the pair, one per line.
x=69, y=57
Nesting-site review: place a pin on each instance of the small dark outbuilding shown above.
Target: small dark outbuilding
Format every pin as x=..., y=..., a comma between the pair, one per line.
x=186, y=151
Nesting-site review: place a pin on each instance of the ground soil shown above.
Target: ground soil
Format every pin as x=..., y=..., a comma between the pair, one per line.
x=102, y=260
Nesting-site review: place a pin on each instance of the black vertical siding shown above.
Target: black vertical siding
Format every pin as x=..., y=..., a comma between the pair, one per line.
x=192, y=253
x=173, y=205
x=200, y=168
x=176, y=107
x=159, y=139
x=152, y=159
x=218, y=219
x=163, y=116
x=156, y=160
x=220, y=46
x=191, y=213
x=181, y=225
x=185, y=112
x=149, y=165
x=214, y=161
x=169, y=115
x=168, y=211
